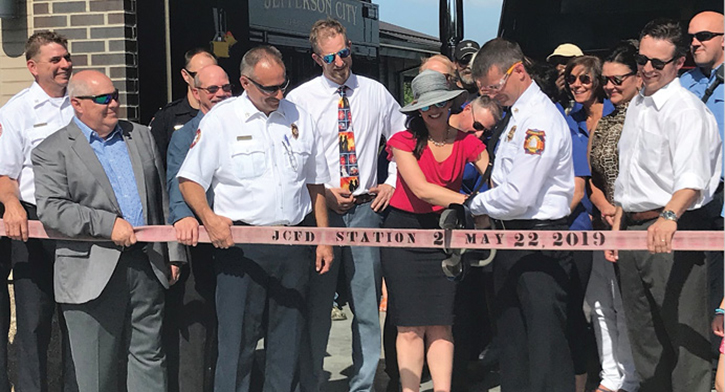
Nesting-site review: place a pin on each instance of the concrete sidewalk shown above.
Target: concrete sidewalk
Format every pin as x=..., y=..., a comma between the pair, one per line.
x=338, y=363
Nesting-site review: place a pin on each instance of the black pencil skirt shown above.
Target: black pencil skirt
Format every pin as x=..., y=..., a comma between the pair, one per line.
x=419, y=294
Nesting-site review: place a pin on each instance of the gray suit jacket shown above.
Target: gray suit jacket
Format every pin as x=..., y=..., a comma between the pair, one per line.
x=75, y=197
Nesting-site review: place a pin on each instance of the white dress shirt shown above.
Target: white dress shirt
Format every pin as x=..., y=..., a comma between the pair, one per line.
x=255, y=164
x=375, y=113
x=530, y=184
x=26, y=120
x=669, y=142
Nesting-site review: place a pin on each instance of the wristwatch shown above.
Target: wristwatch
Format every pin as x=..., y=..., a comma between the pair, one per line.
x=669, y=215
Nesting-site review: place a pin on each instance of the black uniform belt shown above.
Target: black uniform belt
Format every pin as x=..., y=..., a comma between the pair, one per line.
x=526, y=224
x=364, y=198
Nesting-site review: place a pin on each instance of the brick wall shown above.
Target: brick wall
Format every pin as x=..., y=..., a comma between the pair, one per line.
x=101, y=35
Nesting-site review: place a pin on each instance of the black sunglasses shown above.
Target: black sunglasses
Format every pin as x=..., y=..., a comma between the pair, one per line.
x=583, y=78
x=330, y=58
x=477, y=125
x=192, y=74
x=703, y=36
x=103, y=99
x=657, y=64
x=214, y=89
x=270, y=89
x=617, y=80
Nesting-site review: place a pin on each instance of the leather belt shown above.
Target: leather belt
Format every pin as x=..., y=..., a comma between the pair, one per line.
x=527, y=224
x=643, y=216
x=364, y=198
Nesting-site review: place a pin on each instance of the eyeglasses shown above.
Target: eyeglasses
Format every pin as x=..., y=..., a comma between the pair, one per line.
x=192, y=74
x=477, y=125
x=103, y=99
x=501, y=83
x=330, y=58
x=227, y=88
x=617, y=80
x=703, y=36
x=583, y=78
x=438, y=105
x=269, y=90
x=657, y=64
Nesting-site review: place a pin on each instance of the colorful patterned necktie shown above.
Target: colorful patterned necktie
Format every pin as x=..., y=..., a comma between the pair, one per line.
x=349, y=175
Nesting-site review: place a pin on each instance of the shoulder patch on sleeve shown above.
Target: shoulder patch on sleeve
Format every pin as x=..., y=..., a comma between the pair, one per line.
x=1, y=129
x=196, y=138
x=534, y=142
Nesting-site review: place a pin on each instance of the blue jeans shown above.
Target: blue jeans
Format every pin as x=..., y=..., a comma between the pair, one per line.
x=361, y=266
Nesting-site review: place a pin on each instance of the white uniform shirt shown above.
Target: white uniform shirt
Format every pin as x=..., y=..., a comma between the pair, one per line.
x=669, y=142
x=375, y=113
x=26, y=120
x=533, y=173
x=256, y=166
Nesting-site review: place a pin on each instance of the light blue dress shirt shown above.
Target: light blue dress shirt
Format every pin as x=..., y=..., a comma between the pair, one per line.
x=113, y=155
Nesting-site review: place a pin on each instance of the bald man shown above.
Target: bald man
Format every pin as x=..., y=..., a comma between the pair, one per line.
x=101, y=177
x=190, y=320
x=706, y=81
x=176, y=113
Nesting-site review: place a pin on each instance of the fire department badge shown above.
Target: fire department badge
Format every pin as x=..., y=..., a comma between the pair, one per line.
x=511, y=134
x=196, y=138
x=1, y=129
x=534, y=142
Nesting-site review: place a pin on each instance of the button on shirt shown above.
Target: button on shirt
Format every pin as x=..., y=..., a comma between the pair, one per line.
x=529, y=185
x=25, y=121
x=375, y=113
x=255, y=165
x=696, y=82
x=669, y=142
x=113, y=155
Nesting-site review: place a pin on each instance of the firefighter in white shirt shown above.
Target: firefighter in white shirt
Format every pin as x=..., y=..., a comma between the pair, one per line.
x=533, y=185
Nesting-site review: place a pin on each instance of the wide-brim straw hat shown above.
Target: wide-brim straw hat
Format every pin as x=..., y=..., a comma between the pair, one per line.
x=431, y=87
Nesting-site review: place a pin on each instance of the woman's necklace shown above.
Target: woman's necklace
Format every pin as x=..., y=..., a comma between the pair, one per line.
x=437, y=143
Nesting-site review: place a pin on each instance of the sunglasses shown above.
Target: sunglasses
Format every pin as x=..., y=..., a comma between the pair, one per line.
x=703, y=36
x=438, y=105
x=103, y=99
x=657, y=64
x=192, y=74
x=583, y=79
x=330, y=58
x=227, y=88
x=617, y=80
x=501, y=83
x=269, y=90
x=477, y=125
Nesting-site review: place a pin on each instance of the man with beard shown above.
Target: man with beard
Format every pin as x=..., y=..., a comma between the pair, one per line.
x=190, y=320
x=465, y=50
x=25, y=121
x=360, y=110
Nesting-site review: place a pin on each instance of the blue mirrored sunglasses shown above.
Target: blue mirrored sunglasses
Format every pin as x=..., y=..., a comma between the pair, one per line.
x=439, y=104
x=330, y=58
x=103, y=99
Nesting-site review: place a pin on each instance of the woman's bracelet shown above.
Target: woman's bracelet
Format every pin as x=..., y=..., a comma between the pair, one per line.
x=720, y=311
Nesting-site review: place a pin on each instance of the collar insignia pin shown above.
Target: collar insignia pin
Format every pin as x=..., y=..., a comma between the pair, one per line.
x=295, y=131
x=511, y=134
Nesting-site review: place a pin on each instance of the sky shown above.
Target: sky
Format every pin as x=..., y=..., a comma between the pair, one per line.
x=480, y=17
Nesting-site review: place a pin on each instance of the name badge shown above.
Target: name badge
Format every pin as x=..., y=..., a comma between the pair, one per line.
x=244, y=137
x=39, y=125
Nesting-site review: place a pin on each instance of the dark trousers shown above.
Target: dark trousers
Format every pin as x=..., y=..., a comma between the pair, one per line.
x=715, y=269
x=32, y=263
x=665, y=303
x=531, y=298
x=190, y=324
x=258, y=286
x=5, y=265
